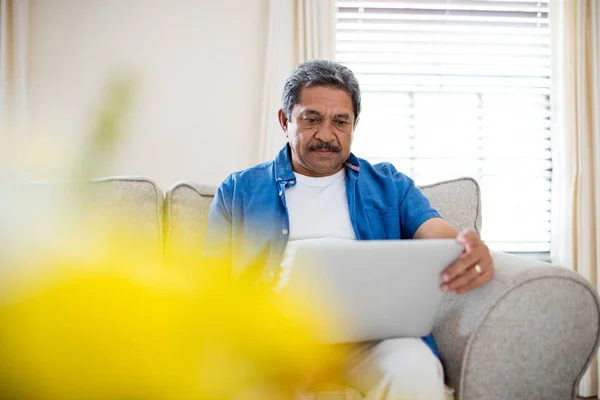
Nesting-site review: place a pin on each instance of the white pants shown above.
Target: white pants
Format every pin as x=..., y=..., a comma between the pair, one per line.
x=396, y=369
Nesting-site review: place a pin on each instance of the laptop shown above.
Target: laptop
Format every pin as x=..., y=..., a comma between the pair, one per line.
x=369, y=290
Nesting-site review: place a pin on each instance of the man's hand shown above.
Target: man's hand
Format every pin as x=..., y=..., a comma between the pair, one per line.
x=473, y=268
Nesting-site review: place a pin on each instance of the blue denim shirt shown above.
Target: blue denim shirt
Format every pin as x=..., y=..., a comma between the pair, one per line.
x=249, y=221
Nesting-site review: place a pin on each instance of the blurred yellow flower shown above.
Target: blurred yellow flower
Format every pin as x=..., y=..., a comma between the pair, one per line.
x=96, y=328
x=90, y=312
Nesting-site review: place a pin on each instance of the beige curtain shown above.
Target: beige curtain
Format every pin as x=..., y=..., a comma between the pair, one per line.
x=576, y=220
x=299, y=30
x=14, y=20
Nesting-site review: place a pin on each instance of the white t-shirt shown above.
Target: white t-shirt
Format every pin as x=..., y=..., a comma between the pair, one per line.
x=318, y=208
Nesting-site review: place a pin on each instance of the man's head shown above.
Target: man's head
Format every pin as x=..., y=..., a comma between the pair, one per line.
x=320, y=106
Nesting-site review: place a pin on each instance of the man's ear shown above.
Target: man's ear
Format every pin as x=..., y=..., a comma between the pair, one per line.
x=283, y=120
x=356, y=122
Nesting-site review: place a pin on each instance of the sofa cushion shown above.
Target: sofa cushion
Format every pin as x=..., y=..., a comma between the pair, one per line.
x=133, y=204
x=186, y=212
x=187, y=205
x=458, y=201
x=48, y=214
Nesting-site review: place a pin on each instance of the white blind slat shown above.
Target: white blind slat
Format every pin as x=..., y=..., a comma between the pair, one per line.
x=505, y=43
x=431, y=27
x=497, y=6
x=449, y=18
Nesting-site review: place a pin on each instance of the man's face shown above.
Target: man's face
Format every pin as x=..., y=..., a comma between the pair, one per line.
x=320, y=130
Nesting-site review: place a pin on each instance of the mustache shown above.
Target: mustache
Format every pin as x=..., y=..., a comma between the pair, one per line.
x=324, y=146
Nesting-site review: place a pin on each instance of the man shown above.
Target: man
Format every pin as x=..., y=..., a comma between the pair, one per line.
x=315, y=188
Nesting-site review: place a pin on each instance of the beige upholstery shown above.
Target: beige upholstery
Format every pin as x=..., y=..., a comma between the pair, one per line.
x=186, y=211
x=458, y=201
x=134, y=204
x=529, y=334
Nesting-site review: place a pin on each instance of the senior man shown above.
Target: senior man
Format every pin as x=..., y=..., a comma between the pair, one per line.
x=316, y=188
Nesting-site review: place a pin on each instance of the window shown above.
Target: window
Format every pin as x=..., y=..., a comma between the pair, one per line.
x=457, y=88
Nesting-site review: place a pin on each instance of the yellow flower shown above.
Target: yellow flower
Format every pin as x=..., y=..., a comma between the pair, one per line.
x=90, y=312
x=93, y=324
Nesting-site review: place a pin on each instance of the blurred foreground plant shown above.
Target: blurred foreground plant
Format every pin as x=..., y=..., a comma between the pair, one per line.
x=93, y=328
x=87, y=313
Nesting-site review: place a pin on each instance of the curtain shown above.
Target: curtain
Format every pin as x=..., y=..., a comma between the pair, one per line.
x=299, y=30
x=576, y=216
x=14, y=20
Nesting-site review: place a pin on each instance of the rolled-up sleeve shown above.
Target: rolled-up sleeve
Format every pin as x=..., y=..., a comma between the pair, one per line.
x=414, y=207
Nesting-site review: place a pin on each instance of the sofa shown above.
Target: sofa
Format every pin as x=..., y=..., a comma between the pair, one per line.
x=529, y=334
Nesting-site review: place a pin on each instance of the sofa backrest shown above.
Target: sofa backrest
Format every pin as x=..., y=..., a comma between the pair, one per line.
x=187, y=205
x=458, y=201
x=185, y=217
x=131, y=208
x=134, y=204
x=174, y=228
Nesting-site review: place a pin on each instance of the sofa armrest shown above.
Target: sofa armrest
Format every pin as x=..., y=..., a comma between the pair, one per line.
x=528, y=334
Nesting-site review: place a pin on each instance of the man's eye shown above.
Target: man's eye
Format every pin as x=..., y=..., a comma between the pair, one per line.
x=341, y=123
x=310, y=120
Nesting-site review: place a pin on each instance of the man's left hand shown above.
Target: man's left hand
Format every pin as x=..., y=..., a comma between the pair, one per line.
x=473, y=268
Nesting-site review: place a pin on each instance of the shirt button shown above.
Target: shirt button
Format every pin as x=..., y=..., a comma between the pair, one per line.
x=292, y=182
x=278, y=179
x=285, y=231
x=280, y=192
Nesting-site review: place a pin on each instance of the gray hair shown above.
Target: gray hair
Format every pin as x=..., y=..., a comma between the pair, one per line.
x=320, y=73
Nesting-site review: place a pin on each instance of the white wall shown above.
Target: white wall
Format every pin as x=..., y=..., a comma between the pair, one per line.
x=199, y=71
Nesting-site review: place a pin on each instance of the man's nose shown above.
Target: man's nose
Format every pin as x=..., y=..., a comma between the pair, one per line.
x=325, y=132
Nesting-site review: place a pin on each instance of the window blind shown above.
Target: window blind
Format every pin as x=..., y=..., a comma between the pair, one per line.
x=457, y=88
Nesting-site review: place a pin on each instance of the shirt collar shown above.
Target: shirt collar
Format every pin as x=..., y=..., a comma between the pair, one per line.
x=352, y=163
x=283, y=165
